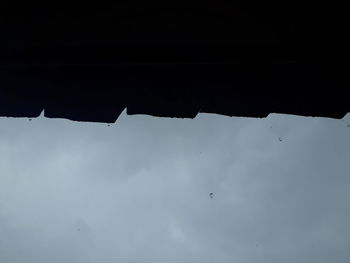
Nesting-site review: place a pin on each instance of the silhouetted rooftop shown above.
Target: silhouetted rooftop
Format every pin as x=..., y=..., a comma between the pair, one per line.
x=172, y=59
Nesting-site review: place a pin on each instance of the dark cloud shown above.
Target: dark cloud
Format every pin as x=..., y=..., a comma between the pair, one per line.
x=138, y=190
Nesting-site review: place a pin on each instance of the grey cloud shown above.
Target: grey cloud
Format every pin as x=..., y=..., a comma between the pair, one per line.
x=138, y=190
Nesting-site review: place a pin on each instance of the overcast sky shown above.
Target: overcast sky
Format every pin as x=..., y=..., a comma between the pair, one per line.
x=139, y=190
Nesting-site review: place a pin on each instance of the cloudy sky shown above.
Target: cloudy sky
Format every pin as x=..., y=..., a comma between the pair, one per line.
x=139, y=190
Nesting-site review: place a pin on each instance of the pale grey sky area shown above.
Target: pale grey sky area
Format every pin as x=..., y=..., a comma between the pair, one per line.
x=139, y=190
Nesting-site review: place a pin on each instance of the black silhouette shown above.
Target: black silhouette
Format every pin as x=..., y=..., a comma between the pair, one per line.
x=172, y=59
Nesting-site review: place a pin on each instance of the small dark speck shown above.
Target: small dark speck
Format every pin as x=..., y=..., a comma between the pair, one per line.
x=280, y=139
x=30, y=119
x=211, y=195
x=348, y=125
x=108, y=125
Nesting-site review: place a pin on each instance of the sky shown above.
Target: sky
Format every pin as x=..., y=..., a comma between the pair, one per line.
x=139, y=190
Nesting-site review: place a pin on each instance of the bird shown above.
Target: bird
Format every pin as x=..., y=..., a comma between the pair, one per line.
x=211, y=195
